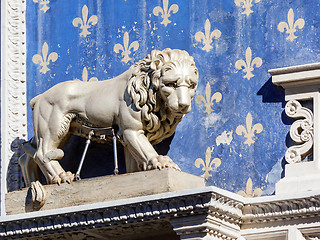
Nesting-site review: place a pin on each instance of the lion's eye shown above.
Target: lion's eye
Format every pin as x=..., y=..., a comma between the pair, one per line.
x=171, y=84
x=192, y=85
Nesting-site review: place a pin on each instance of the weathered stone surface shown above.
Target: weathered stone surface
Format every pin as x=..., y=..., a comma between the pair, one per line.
x=105, y=188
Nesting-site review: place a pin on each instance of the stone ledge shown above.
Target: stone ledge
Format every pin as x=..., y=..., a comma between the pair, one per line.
x=106, y=188
x=210, y=211
x=160, y=213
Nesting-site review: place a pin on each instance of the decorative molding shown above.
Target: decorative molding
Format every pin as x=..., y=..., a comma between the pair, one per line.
x=313, y=236
x=292, y=77
x=156, y=209
x=13, y=93
x=301, y=132
x=198, y=213
x=281, y=211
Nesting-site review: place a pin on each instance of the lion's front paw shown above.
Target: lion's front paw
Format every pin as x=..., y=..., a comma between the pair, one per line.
x=66, y=177
x=162, y=162
x=55, y=180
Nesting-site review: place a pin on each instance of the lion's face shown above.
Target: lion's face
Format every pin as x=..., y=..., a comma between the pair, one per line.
x=178, y=83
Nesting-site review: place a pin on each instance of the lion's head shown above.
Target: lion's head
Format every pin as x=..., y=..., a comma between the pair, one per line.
x=162, y=88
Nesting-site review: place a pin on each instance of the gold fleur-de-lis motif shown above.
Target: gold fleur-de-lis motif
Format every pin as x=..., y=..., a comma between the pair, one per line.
x=249, y=130
x=246, y=5
x=165, y=11
x=249, y=193
x=126, y=47
x=84, y=22
x=208, y=101
x=85, y=76
x=207, y=165
x=44, y=5
x=207, y=36
x=291, y=26
x=44, y=60
x=248, y=65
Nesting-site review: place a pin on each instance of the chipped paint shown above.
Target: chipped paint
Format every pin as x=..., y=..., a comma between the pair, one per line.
x=224, y=138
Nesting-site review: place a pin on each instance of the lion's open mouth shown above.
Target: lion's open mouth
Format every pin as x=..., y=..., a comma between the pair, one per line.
x=179, y=111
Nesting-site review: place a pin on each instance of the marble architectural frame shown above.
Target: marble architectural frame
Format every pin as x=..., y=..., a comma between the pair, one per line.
x=281, y=217
x=13, y=93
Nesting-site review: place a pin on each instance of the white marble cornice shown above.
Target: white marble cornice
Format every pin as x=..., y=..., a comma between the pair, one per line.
x=198, y=213
x=296, y=76
x=275, y=210
x=209, y=205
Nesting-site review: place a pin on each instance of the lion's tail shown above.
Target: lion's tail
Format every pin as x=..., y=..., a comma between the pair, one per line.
x=34, y=101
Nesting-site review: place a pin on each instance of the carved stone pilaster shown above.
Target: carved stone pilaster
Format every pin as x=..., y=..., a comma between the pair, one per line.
x=13, y=91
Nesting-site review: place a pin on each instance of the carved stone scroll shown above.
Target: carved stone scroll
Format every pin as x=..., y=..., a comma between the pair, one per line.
x=301, y=131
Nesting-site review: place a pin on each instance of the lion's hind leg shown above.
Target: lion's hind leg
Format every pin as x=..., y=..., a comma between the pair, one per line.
x=58, y=137
x=51, y=132
x=44, y=163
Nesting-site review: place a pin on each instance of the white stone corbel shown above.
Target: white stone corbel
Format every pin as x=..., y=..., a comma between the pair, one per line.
x=301, y=83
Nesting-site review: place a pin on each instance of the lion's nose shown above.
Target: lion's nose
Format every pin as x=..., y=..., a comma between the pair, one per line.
x=184, y=107
x=183, y=99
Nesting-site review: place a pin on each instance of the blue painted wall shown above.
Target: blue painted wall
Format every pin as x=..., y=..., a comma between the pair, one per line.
x=216, y=133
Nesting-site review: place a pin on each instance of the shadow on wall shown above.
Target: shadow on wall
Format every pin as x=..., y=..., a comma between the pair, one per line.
x=271, y=93
x=274, y=94
x=14, y=174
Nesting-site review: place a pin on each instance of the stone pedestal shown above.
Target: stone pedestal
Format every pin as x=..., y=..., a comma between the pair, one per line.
x=299, y=177
x=106, y=188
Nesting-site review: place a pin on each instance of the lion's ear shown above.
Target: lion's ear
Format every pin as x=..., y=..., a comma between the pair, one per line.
x=156, y=64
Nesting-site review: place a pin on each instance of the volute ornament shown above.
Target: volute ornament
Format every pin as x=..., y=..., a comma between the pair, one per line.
x=301, y=131
x=144, y=105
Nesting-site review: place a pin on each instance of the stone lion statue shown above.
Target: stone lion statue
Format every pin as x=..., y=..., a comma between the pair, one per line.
x=144, y=105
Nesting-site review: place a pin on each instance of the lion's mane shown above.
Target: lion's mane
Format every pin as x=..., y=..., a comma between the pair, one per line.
x=143, y=88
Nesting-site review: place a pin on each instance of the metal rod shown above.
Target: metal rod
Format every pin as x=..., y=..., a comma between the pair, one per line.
x=116, y=170
x=77, y=176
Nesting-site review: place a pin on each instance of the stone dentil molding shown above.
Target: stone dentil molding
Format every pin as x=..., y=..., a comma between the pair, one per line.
x=201, y=212
x=13, y=92
x=206, y=213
